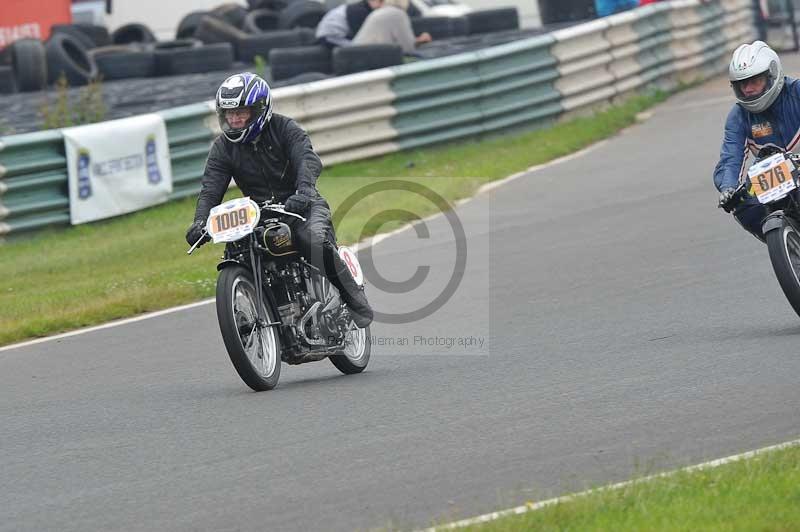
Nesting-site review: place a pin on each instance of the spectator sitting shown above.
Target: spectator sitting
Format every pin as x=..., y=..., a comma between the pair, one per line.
x=341, y=24
x=390, y=24
x=350, y=24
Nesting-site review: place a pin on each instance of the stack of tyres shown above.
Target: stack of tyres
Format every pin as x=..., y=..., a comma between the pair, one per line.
x=558, y=11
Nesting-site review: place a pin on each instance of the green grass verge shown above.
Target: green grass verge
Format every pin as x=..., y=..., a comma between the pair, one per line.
x=89, y=274
x=759, y=493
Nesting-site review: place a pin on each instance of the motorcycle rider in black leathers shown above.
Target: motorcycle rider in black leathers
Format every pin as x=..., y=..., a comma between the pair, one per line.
x=271, y=157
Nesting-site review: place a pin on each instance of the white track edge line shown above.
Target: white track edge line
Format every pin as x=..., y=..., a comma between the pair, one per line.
x=108, y=325
x=531, y=507
x=367, y=242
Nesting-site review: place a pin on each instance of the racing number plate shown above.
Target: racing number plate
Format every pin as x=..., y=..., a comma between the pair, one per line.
x=772, y=178
x=233, y=220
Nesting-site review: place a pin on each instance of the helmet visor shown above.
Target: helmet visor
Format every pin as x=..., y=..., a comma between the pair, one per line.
x=752, y=88
x=237, y=119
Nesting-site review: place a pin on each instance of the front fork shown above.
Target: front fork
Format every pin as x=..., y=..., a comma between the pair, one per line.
x=258, y=278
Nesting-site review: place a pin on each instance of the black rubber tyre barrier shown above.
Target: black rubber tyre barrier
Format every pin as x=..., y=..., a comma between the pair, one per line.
x=460, y=26
x=308, y=77
x=99, y=34
x=67, y=56
x=350, y=59
x=274, y=5
x=188, y=24
x=260, y=21
x=73, y=31
x=290, y=62
x=213, y=30
x=123, y=64
x=29, y=60
x=8, y=84
x=438, y=27
x=132, y=33
x=196, y=60
x=441, y=27
x=248, y=47
x=233, y=14
x=96, y=35
x=491, y=20
x=177, y=43
x=113, y=49
x=302, y=13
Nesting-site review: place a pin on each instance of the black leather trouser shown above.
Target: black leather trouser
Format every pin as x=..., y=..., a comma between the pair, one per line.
x=750, y=213
x=315, y=239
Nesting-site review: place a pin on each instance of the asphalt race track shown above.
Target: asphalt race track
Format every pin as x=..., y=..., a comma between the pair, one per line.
x=627, y=324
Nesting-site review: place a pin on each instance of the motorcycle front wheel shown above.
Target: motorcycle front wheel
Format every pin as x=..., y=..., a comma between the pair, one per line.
x=254, y=349
x=354, y=356
x=783, y=244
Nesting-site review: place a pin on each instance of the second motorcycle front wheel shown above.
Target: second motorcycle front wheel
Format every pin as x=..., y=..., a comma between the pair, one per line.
x=254, y=347
x=784, y=253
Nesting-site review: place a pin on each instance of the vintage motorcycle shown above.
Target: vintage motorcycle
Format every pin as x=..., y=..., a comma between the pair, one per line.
x=272, y=305
x=775, y=180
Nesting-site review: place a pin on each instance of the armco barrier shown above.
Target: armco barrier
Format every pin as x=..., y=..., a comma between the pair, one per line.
x=470, y=94
x=190, y=130
x=33, y=182
x=532, y=81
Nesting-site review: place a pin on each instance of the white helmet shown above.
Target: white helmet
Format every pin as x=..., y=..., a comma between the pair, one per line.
x=754, y=60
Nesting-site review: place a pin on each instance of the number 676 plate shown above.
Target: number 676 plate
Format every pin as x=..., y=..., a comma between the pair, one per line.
x=772, y=178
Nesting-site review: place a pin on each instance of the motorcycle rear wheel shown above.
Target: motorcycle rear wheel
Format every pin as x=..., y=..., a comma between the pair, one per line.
x=783, y=244
x=254, y=351
x=354, y=357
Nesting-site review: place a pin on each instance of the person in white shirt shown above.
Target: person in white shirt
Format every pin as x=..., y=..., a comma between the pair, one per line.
x=370, y=22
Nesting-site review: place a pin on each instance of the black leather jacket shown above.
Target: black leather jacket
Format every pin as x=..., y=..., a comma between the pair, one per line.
x=280, y=161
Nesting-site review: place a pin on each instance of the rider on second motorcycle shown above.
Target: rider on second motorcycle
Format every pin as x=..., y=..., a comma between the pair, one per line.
x=271, y=157
x=767, y=113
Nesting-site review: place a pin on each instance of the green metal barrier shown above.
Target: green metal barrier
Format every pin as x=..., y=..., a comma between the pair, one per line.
x=33, y=182
x=471, y=94
x=529, y=82
x=190, y=135
x=33, y=170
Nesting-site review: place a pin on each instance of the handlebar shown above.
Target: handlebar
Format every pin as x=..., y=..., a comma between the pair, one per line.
x=198, y=243
x=739, y=194
x=281, y=209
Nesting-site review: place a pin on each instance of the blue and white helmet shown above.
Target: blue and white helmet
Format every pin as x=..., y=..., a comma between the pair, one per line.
x=244, y=91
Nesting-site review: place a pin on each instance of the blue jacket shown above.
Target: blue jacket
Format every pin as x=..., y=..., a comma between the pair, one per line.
x=779, y=126
x=603, y=8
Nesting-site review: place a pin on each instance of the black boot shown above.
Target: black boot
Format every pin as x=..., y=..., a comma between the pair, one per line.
x=355, y=299
x=353, y=295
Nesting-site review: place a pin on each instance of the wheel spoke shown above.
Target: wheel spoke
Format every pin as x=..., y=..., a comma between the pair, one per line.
x=256, y=351
x=355, y=343
x=266, y=351
x=250, y=337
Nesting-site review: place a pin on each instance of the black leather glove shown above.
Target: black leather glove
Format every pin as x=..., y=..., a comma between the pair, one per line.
x=726, y=198
x=195, y=232
x=301, y=201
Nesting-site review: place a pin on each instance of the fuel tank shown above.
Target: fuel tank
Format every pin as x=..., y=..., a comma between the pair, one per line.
x=278, y=239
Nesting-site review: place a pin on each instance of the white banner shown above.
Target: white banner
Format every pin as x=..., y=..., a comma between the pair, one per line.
x=117, y=167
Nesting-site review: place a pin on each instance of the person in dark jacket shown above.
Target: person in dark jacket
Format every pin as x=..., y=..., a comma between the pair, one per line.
x=342, y=23
x=271, y=157
x=370, y=22
x=766, y=114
